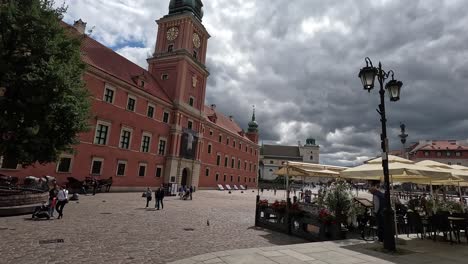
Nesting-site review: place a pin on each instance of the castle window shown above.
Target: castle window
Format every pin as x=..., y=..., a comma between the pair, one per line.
x=195, y=54
x=191, y=101
x=170, y=48
x=165, y=77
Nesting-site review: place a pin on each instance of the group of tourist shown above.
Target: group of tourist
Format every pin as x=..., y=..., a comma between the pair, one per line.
x=158, y=195
x=58, y=198
x=185, y=192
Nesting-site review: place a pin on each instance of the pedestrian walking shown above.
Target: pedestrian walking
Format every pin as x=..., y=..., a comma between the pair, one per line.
x=159, y=196
x=274, y=191
x=95, y=186
x=52, y=200
x=191, y=191
x=62, y=197
x=149, y=196
x=379, y=203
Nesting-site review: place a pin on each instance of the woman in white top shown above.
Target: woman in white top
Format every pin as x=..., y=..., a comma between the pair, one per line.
x=62, y=197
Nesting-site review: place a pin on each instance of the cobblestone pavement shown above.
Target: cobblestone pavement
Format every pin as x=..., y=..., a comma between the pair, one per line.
x=116, y=228
x=412, y=251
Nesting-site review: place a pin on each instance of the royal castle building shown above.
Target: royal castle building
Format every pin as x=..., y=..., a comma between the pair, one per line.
x=151, y=126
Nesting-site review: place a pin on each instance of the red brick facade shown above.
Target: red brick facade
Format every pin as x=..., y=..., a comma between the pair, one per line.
x=152, y=127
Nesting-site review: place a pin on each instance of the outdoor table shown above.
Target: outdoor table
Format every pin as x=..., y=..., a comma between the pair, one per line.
x=453, y=222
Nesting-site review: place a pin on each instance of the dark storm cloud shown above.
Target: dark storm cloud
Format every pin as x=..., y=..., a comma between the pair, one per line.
x=424, y=42
x=298, y=61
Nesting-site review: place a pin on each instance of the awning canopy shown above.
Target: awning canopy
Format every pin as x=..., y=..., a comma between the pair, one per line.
x=400, y=170
x=301, y=169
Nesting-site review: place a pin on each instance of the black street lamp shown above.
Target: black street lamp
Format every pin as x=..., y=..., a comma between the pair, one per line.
x=403, y=137
x=367, y=76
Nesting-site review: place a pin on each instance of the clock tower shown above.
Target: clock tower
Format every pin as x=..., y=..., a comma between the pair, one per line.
x=178, y=64
x=179, y=58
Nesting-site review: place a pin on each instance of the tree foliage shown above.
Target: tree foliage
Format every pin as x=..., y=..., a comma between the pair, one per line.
x=45, y=104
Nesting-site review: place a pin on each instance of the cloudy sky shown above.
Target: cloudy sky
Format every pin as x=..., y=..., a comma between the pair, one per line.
x=297, y=61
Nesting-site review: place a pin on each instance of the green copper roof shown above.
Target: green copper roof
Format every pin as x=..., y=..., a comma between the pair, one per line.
x=253, y=125
x=186, y=6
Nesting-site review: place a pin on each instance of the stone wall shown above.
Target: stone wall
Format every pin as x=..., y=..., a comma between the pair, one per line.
x=19, y=199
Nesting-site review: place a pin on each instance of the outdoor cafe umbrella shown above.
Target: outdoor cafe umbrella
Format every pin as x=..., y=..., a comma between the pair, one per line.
x=401, y=170
x=458, y=178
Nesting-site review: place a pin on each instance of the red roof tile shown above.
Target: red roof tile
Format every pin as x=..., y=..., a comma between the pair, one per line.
x=109, y=61
x=440, y=145
x=223, y=121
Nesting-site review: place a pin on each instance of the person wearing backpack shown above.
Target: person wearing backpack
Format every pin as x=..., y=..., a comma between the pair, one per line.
x=148, y=196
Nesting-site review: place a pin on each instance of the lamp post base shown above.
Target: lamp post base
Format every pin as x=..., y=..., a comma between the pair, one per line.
x=389, y=230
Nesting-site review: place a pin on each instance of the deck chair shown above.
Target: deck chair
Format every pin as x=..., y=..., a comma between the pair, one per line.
x=228, y=187
x=235, y=187
x=220, y=187
x=242, y=187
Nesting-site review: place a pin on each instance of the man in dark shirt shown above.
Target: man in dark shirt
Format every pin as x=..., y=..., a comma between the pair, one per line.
x=379, y=204
x=159, y=196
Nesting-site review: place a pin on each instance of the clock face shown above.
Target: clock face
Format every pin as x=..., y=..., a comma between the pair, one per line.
x=196, y=40
x=172, y=33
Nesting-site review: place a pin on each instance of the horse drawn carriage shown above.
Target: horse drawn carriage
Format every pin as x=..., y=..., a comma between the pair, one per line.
x=89, y=185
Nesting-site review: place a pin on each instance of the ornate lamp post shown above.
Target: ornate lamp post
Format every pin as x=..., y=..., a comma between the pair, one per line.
x=403, y=137
x=367, y=76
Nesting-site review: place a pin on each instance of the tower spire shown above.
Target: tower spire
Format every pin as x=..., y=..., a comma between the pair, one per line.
x=253, y=125
x=253, y=114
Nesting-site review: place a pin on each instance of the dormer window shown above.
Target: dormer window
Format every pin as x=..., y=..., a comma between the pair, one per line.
x=142, y=84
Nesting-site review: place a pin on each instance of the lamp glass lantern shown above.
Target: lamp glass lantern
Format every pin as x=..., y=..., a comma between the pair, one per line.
x=394, y=88
x=367, y=76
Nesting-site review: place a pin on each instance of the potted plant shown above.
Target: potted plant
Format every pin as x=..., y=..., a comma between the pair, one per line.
x=329, y=227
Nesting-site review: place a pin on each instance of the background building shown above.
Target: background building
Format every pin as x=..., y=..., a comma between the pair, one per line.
x=152, y=127
x=273, y=157
x=451, y=152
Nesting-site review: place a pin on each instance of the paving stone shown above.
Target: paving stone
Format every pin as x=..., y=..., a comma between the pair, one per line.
x=144, y=235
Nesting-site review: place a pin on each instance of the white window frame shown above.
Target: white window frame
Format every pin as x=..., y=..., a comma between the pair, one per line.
x=136, y=102
x=149, y=144
x=117, y=168
x=168, y=117
x=165, y=146
x=128, y=129
x=108, y=86
x=58, y=163
x=162, y=171
x=211, y=132
x=100, y=122
x=207, y=169
x=142, y=164
x=92, y=163
x=154, y=110
x=209, y=148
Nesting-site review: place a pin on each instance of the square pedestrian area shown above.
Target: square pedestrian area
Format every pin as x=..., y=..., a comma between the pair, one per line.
x=117, y=228
x=215, y=227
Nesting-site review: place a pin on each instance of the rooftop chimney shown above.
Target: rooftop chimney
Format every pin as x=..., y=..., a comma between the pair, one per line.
x=213, y=107
x=80, y=26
